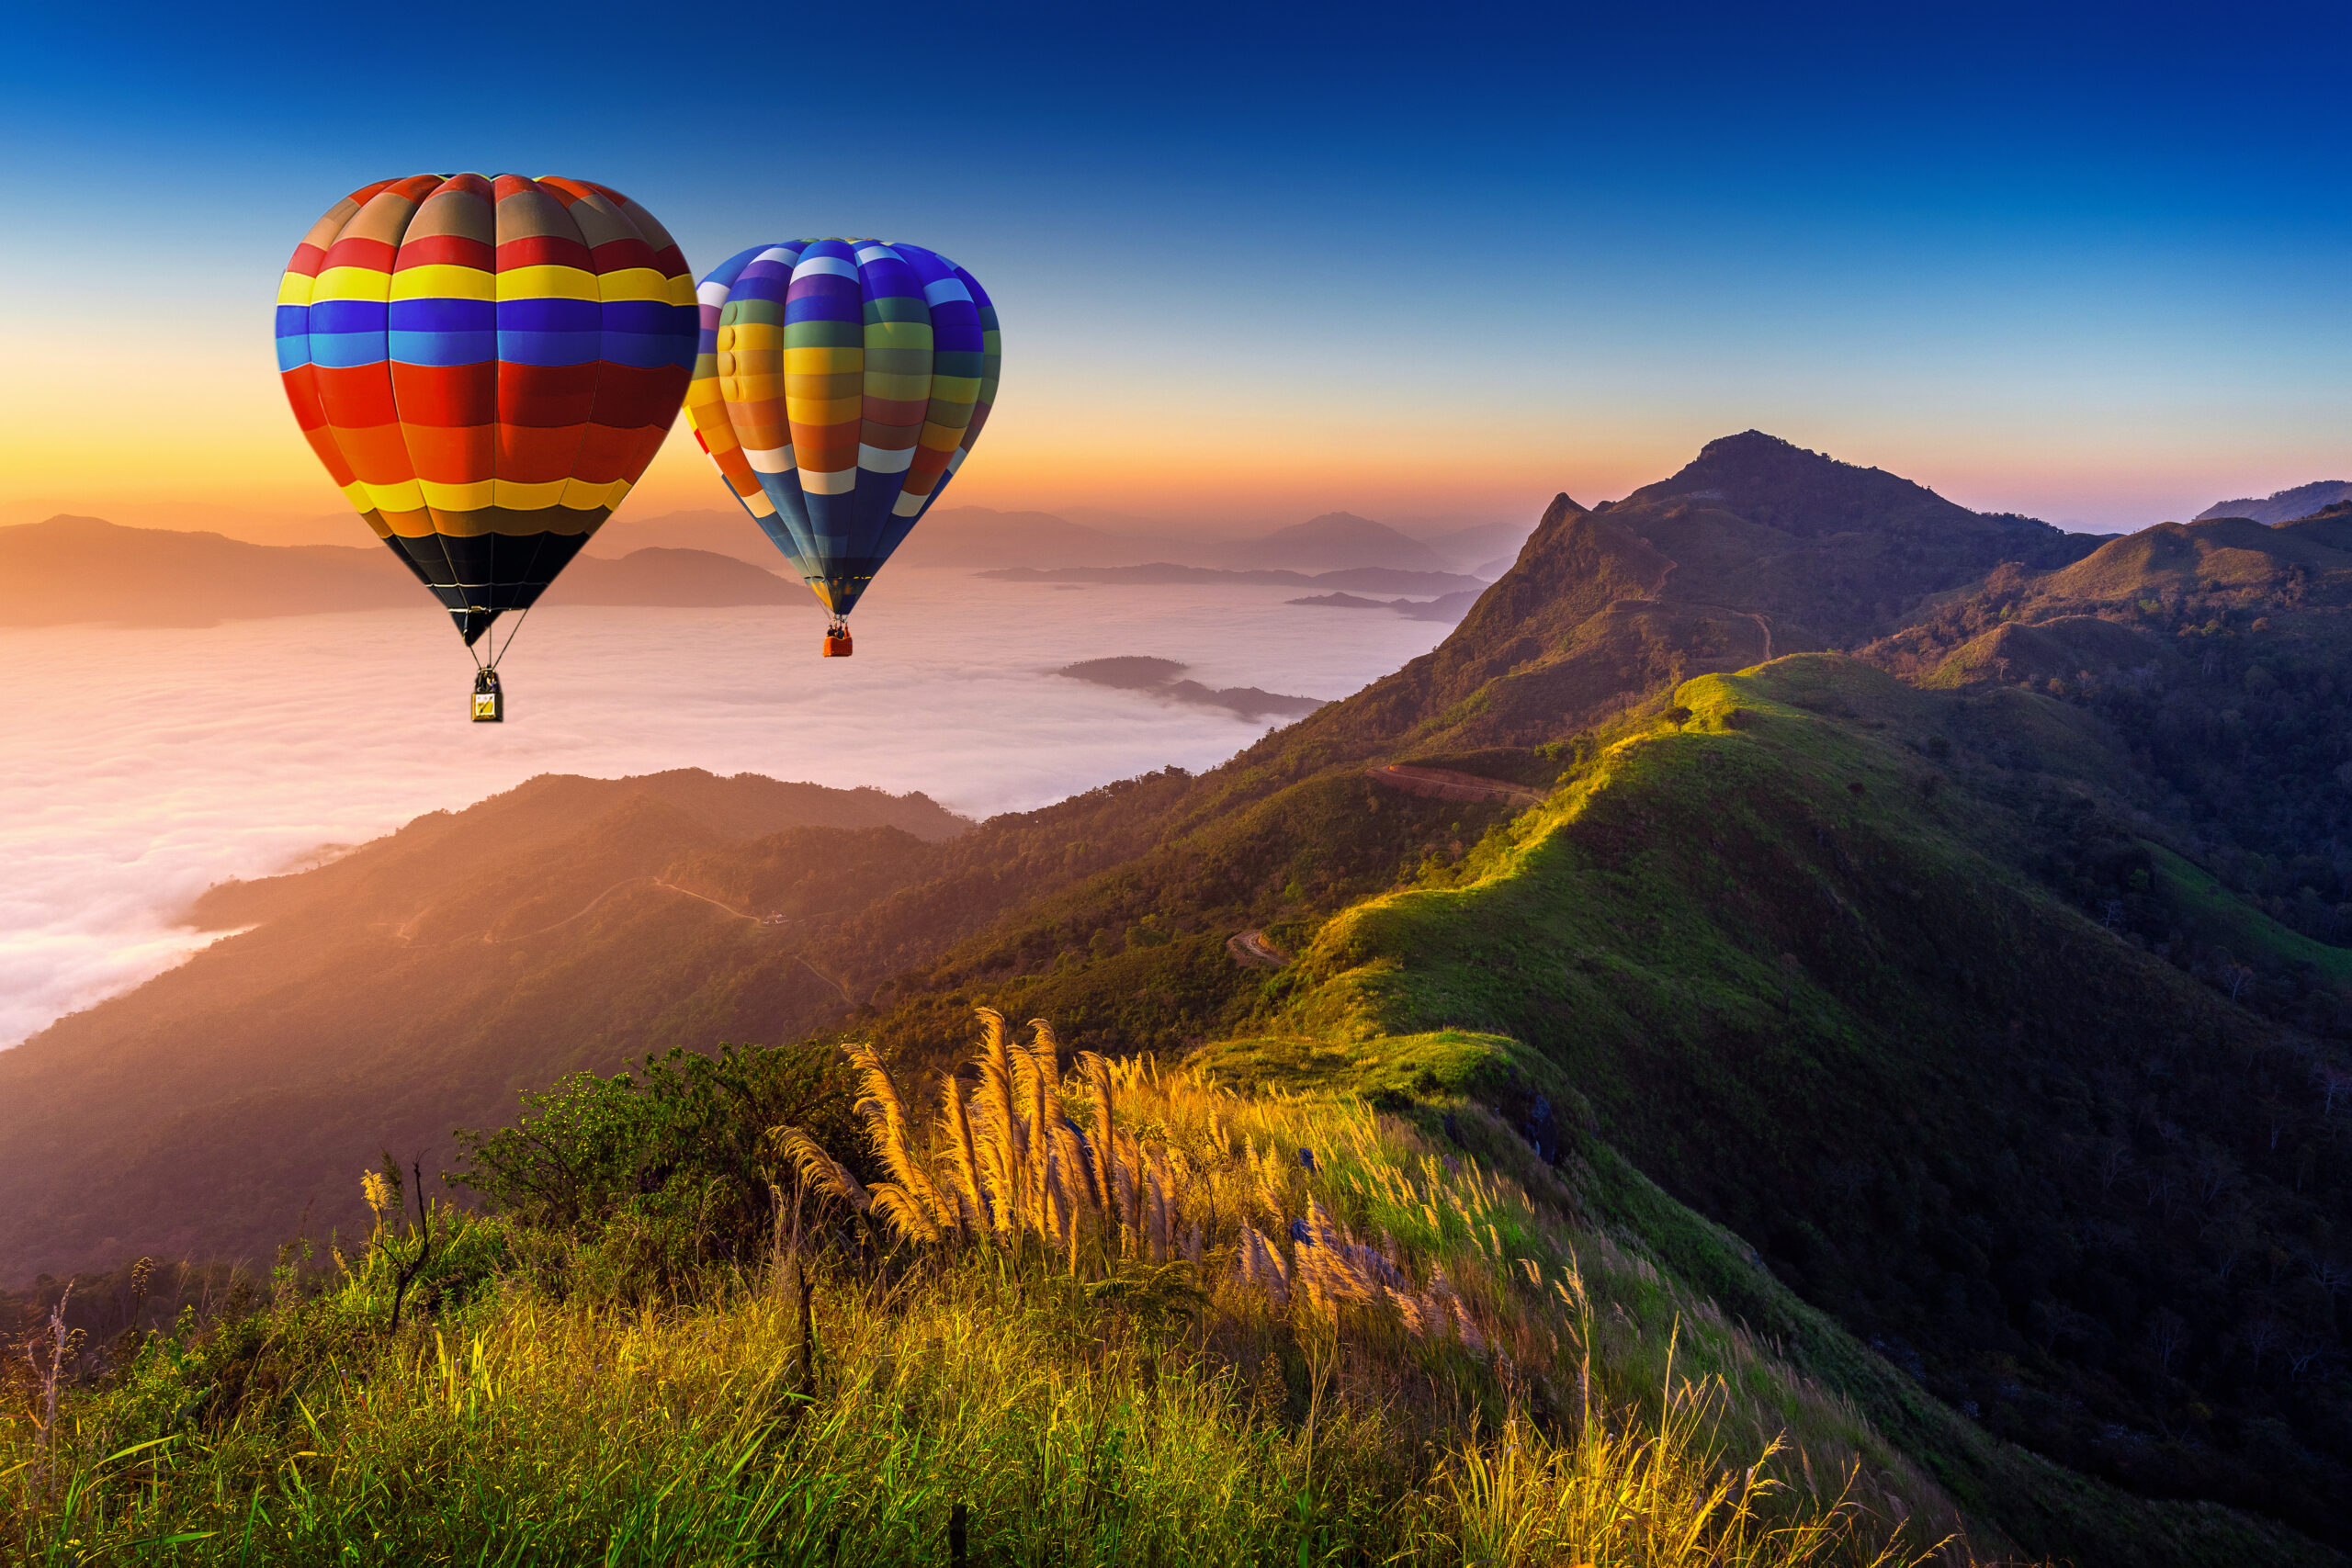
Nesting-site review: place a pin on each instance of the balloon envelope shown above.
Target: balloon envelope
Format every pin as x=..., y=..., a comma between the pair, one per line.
x=485, y=366
x=838, y=385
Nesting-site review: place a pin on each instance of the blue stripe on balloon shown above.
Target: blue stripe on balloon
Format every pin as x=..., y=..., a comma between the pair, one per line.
x=825, y=308
x=550, y=315
x=293, y=351
x=551, y=348
x=293, y=320
x=347, y=316
x=347, y=351
x=647, y=352
x=645, y=316
x=443, y=316
x=443, y=348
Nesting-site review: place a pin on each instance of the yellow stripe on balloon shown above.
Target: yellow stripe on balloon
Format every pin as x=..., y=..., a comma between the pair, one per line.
x=351, y=283
x=581, y=496
x=404, y=496
x=294, y=289
x=472, y=496
x=749, y=337
x=547, y=282
x=445, y=280
x=518, y=495
x=641, y=283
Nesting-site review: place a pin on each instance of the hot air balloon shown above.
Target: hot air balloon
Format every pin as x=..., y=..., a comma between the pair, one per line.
x=485, y=366
x=838, y=384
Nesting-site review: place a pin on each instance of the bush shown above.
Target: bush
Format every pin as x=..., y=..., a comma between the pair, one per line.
x=672, y=1165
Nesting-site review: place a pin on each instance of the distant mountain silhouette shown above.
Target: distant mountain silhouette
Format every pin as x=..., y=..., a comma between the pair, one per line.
x=1164, y=678
x=1475, y=549
x=1446, y=607
x=1333, y=541
x=982, y=536
x=671, y=577
x=1165, y=573
x=2283, y=506
x=84, y=569
x=727, y=533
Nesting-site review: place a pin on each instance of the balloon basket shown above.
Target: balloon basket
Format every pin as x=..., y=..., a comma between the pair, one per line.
x=490, y=701
x=837, y=643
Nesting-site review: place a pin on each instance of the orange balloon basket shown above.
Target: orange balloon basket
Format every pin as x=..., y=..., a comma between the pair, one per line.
x=837, y=642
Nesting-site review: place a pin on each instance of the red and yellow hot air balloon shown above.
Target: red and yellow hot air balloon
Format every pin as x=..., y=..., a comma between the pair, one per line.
x=486, y=365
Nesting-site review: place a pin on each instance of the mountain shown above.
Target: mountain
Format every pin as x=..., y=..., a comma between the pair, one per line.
x=1919, y=949
x=981, y=536
x=2283, y=506
x=1165, y=574
x=84, y=569
x=1447, y=607
x=660, y=575
x=1475, y=549
x=984, y=537
x=727, y=533
x=1332, y=541
x=1164, y=678
x=465, y=957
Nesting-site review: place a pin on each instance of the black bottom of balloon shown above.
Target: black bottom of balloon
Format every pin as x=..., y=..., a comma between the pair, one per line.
x=478, y=577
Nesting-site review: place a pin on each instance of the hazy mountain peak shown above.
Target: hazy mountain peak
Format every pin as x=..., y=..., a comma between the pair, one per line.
x=2283, y=506
x=1339, y=538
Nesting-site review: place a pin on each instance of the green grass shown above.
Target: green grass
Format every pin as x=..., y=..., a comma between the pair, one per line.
x=1609, y=1415
x=1733, y=938
x=2228, y=920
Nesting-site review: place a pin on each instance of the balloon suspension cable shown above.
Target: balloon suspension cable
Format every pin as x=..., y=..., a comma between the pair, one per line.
x=497, y=650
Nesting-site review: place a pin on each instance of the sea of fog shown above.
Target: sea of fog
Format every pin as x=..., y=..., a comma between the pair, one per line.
x=145, y=765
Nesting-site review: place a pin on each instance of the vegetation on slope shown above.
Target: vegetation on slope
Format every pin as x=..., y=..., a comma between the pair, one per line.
x=1735, y=938
x=825, y=1389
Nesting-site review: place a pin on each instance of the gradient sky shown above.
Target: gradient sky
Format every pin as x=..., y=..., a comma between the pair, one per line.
x=1256, y=263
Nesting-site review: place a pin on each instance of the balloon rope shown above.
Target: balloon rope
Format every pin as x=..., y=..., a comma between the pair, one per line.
x=498, y=653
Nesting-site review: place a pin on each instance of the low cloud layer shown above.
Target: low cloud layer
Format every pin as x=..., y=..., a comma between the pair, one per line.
x=147, y=763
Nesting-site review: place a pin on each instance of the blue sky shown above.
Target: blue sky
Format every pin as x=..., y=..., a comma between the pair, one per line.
x=2088, y=264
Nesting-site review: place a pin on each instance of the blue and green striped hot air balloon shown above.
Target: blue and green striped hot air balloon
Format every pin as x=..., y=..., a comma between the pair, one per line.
x=838, y=386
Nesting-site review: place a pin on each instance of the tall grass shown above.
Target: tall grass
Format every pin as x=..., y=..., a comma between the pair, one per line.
x=1125, y=1323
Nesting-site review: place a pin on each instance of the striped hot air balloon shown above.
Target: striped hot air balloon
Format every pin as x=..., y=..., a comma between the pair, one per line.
x=485, y=366
x=838, y=384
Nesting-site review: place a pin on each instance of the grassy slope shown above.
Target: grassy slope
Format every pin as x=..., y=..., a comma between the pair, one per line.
x=1647, y=957
x=2238, y=925
x=526, y=1411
